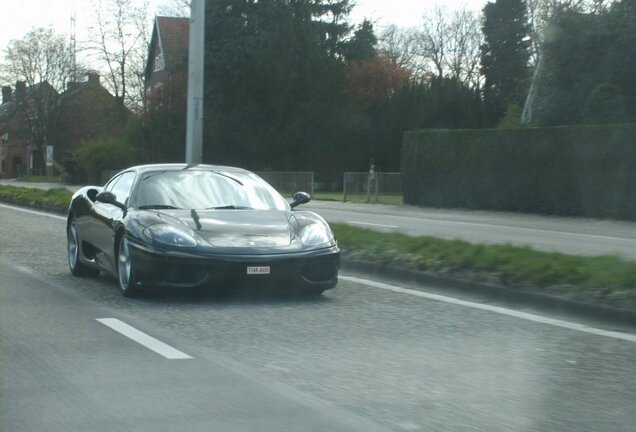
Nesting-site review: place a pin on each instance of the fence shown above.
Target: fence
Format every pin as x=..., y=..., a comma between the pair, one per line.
x=288, y=182
x=385, y=188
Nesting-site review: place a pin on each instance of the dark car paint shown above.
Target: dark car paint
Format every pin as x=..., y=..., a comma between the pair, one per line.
x=222, y=235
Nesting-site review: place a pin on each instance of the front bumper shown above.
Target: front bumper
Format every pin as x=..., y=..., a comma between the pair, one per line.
x=315, y=270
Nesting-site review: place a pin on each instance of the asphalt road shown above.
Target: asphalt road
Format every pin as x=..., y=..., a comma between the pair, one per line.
x=367, y=356
x=577, y=236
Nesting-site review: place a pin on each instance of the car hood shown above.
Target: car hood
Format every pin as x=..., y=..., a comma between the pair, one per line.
x=237, y=228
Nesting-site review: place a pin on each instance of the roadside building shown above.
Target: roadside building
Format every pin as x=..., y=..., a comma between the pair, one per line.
x=85, y=111
x=167, y=64
x=23, y=114
x=166, y=88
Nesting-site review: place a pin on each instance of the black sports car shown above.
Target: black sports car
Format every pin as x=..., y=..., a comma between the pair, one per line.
x=187, y=226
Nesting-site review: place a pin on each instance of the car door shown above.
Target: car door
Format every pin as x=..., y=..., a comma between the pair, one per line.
x=105, y=216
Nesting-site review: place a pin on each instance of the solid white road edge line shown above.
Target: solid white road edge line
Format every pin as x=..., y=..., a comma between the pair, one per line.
x=372, y=224
x=143, y=339
x=32, y=212
x=496, y=309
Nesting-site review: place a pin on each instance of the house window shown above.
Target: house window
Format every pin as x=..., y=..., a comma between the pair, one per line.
x=159, y=63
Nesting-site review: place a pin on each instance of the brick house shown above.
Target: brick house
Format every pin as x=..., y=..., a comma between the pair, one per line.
x=21, y=128
x=84, y=112
x=34, y=116
x=167, y=65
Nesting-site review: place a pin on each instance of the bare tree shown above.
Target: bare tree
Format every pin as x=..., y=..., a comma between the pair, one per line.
x=120, y=44
x=400, y=46
x=449, y=43
x=41, y=62
x=176, y=8
x=464, y=42
x=433, y=39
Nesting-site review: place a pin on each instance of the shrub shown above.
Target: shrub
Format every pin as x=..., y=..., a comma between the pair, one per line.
x=103, y=154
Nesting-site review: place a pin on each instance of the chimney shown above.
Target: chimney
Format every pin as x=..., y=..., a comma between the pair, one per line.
x=20, y=89
x=6, y=94
x=93, y=78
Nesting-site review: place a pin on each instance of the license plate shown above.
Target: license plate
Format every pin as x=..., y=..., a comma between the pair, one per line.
x=264, y=270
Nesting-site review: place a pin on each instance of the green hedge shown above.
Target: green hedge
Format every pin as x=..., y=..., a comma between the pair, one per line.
x=569, y=171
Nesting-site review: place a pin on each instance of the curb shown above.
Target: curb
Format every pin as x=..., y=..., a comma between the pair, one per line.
x=36, y=206
x=490, y=292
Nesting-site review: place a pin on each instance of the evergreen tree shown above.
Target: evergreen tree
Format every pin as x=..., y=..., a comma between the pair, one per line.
x=273, y=82
x=505, y=55
x=362, y=46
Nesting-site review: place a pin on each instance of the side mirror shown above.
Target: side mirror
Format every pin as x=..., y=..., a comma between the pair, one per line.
x=300, y=198
x=92, y=193
x=109, y=198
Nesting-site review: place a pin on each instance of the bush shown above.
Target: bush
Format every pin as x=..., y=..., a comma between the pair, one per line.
x=104, y=154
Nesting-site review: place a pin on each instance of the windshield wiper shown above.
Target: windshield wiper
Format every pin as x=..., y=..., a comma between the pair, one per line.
x=195, y=217
x=230, y=207
x=158, y=207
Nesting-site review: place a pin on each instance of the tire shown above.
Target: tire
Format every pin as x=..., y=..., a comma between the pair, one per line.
x=126, y=269
x=73, y=252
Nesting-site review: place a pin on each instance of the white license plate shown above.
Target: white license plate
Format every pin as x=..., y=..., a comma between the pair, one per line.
x=258, y=270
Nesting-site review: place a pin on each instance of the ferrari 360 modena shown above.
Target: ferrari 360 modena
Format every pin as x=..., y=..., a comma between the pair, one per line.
x=187, y=226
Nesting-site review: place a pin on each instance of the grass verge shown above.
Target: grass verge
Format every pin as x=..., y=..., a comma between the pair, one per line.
x=40, y=179
x=55, y=199
x=605, y=280
x=390, y=199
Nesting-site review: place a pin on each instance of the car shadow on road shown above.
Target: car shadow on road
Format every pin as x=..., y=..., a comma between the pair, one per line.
x=233, y=296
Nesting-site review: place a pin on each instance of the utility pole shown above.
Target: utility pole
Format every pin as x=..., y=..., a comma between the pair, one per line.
x=73, y=46
x=194, y=129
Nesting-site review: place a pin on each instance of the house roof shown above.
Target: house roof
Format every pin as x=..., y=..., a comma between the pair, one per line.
x=7, y=109
x=172, y=34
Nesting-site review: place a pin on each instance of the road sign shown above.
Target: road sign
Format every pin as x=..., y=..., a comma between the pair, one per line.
x=49, y=155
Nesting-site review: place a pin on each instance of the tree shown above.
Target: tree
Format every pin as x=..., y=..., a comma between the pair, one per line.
x=463, y=51
x=450, y=42
x=176, y=8
x=584, y=50
x=604, y=105
x=120, y=43
x=274, y=82
x=505, y=55
x=541, y=12
x=433, y=39
x=42, y=62
x=372, y=82
x=362, y=46
x=400, y=46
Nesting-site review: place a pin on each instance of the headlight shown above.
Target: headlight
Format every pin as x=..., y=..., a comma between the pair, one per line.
x=169, y=235
x=315, y=234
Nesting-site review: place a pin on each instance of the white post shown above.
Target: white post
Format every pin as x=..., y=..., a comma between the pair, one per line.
x=194, y=130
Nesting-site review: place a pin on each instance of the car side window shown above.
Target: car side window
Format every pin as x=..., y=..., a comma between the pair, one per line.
x=121, y=187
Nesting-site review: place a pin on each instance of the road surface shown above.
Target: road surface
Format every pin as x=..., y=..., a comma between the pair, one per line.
x=368, y=356
x=576, y=236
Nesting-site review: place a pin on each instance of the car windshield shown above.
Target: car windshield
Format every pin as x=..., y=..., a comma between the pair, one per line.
x=206, y=189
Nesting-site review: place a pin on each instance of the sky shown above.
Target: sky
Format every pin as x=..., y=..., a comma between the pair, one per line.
x=21, y=16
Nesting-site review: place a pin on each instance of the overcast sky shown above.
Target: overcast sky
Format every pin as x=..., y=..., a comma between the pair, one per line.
x=21, y=16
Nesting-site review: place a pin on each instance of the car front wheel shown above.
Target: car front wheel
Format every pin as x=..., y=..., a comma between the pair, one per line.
x=126, y=269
